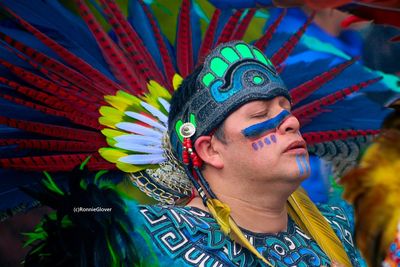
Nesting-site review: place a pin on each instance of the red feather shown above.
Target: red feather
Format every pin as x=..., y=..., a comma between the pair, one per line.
x=209, y=37
x=55, y=163
x=79, y=64
x=304, y=90
x=264, y=40
x=58, y=107
x=41, y=60
x=48, y=163
x=314, y=108
x=229, y=27
x=184, y=41
x=326, y=136
x=53, y=145
x=287, y=48
x=53, y=130
x=35, y=106
x=244, y=24
x=142, y=60
x=47, y=99
x=169, y=69
x=121, y=68
x=77, y=99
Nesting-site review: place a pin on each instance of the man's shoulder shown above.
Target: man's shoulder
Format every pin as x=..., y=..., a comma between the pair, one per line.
x=340, y=216
x=191, y=236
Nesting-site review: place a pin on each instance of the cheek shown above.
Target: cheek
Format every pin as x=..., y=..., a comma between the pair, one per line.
x=265, y=142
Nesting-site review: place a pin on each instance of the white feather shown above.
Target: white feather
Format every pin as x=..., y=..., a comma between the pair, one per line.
x=146, y=120
x=155, y=112
x=139, y=129
x=164, y=103
x=143, y=159
x=139, y=148
x=139, y=139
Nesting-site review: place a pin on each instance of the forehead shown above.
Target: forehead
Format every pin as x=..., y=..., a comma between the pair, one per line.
x=262, y=105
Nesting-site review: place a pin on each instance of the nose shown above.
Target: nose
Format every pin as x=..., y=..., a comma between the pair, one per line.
x=290, y=125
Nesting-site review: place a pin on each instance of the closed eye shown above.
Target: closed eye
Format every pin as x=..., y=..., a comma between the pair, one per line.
x=259, y=115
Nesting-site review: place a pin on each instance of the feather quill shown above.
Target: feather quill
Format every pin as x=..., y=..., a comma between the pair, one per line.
x=303, y=211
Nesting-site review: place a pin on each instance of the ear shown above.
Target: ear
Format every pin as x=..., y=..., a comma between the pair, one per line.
x=205, y=149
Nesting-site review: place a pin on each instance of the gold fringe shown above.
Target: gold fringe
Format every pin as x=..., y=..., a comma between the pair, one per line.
x=304, y=212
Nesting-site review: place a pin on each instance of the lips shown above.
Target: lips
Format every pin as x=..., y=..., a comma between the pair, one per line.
x=298, y=146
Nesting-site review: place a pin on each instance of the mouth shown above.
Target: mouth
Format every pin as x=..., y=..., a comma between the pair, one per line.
x=296, y=147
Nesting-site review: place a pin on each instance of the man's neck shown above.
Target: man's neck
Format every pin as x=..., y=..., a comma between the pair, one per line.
x=259, y=211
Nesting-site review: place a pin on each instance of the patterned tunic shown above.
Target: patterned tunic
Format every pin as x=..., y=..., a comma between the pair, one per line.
x=191, y=237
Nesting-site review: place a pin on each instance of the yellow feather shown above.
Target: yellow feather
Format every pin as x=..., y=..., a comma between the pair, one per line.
x=109, y=121
x=123, y=101
x=126, y=167
x=304, y=212
x=109, y=111
x=118, y=102
x=111, y=154
x=128, y=97
x=176, y=81
x=373, y=187
x=111, y=142
x=221, y=213
x=157, y=90
x=112, y=133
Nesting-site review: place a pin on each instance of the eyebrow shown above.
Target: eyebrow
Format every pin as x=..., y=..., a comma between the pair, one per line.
x=262, y=127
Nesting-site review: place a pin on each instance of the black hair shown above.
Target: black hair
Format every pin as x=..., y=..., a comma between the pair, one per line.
x=185, y=92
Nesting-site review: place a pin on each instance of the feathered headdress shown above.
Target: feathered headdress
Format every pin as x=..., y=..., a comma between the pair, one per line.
x=59, y=74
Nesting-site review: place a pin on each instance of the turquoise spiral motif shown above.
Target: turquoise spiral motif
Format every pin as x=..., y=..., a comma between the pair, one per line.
x=217, y=68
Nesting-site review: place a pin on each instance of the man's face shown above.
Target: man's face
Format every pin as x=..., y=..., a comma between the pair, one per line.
x=263, y=142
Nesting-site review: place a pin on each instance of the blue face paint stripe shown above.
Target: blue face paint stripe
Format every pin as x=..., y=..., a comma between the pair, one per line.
x=262, y=127
x=299, y=165
x=303, y=158
x=273, y=138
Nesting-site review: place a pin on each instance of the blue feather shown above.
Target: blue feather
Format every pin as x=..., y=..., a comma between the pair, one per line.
x=196, y=31
x=138, y=19
x=68, y=31
x=237, y=4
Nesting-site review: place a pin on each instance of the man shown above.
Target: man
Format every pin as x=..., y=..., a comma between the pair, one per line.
x=231, y=127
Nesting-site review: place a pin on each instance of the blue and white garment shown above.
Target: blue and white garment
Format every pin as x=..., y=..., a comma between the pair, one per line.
x=191, y=237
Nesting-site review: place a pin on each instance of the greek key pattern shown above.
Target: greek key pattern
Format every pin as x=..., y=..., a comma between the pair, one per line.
x=193, y=236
